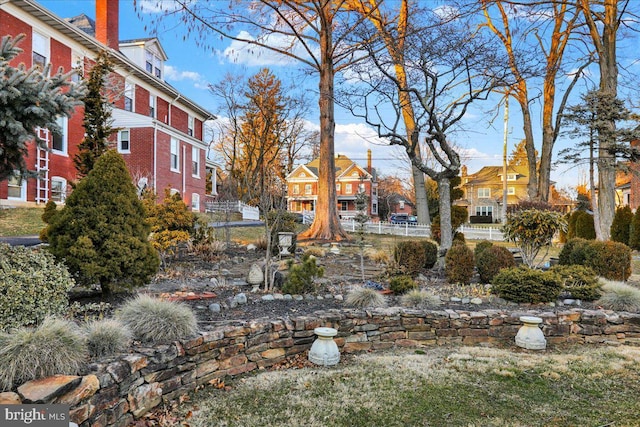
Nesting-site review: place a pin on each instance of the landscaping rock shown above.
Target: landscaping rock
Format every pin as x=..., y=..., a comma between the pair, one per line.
x=268, y=297
x=10, y=398
x=44, y=390
x=214, y=307
x=476, y=301
x=241, y=298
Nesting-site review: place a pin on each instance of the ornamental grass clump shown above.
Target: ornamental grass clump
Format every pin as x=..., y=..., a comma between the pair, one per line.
x=152, y=320
x=365, y=297
x=54, y=347
x=417, y=298
x=620, y=296
x=106, y=337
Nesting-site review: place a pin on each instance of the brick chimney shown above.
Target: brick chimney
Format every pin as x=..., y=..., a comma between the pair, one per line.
x=107, y=31
x=369, y=168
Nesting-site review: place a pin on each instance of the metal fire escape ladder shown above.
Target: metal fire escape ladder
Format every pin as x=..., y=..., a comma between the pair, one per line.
x=42, y=166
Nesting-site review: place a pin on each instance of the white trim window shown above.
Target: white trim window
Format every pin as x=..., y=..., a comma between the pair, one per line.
x=361, y=188
x=17, y=187
x=484, y=193
x=152, y=106
x=511, y=191
x=59, y=137
x=40, y=50
x=338, y=188
x=484, y=210
x=129, y=93
x=190, y=125
x=195, y=202
x=512, y=176
x=195, y=162
x=124, y=141
x=307, y=189
x=174, y=191
x=296, y=189
x=175, y=155
x=77, y=63
x=348, y=189
x=58, y=189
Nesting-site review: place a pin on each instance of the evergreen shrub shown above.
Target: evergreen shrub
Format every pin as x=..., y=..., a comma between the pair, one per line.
x=583, y=226
x=526, y=285
x=481, y=246
x=32, y=286
x=634, y=231
x=493, y=259
x=573, y=252
x=621, y=225
x=301, y=276
x=430, y=253
x=611, y=260
x=580, y=281
x=459, y=264
x=402, y=284
x=410, y=256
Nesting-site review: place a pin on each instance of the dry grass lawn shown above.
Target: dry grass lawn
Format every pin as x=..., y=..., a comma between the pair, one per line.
x=463, y=386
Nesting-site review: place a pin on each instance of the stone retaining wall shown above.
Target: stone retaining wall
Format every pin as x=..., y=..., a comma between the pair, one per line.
x=119, y=390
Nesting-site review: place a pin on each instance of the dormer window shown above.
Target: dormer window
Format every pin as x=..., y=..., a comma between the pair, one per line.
x=153, y=64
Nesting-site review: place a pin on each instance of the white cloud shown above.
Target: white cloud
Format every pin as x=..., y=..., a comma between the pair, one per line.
x=158, y=6
x=447, y=12
x=174, y=74
x=239, y=52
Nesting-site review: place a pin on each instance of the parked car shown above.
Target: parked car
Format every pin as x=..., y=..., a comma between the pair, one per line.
x=401, y=218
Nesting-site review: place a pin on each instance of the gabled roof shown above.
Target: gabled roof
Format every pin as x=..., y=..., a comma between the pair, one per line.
x=302, y=169
x=493, y=174
x=342, y=162
x=146, y=42
x=92, y=44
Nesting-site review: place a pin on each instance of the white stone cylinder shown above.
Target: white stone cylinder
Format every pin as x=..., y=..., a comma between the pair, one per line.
x=530, y=336
x=324, y=350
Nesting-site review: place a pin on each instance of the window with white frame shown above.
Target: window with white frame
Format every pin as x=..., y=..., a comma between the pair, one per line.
x=174, y=191
x=511, y=190
x=58, y=189
x=124, y=141
x=195, y=202
x=484, y=193
x=344, y=206
x=175, y=155
x=401, y=204
x=40, y=50
x=484, y=210
x=361, y=188
x=152, y=106
x=195, y=161
x=59, y=136
x=348, y=189
x=153, y=64
x=307, y=189
x=77, y=63
x=374, y=208
x=17, y=187
x=511, y=176
x=190, y=125
x=338, y=188
x=129, y=92
x=296, y=189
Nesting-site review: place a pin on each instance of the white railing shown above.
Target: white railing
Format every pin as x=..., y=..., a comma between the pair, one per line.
x=421, y=230
x=248, y=212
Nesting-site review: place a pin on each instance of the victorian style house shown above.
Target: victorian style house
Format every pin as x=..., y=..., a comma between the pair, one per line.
x=160, y=131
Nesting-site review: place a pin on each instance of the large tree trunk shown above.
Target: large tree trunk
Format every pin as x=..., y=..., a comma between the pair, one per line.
x=532, y=187
x=422, y=204
x=446, y=232
x=326, y=224
x=544, y=173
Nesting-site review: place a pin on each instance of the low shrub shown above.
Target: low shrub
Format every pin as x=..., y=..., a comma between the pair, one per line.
x=581, y=226
x=580, y=281
x=209, y=250
x=430, y=253
x=106, y=337
x=573, y=252
x=32, y=286
x=301, y=276
x=481, y=246
x=620, y=296
x=420, y=299
x=526, y=285
x=493, y=259
x=152, y=320
x=410, y=256
x=611, y=260
x=402, y=284
x=621, y=225
x=459, y=264
x=315, y=251
x=54, y=347
x=362, y=297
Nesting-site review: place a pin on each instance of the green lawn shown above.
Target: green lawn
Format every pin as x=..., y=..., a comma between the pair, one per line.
x=463, y=386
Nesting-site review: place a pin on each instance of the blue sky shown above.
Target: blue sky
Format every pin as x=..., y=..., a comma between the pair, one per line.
x=190, y=69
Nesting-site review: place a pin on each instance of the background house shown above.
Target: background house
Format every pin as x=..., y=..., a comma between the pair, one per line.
x=483, y=191
x=160, y=131
x=302, y=186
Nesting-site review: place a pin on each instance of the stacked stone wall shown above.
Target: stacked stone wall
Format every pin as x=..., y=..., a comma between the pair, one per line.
x=117, y=391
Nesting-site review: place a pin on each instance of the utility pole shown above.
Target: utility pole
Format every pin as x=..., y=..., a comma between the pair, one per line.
x=504, y=159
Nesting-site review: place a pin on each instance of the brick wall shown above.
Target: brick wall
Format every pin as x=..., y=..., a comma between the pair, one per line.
x=117, y=391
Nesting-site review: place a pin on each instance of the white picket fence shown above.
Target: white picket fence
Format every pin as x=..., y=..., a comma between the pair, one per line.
x=251, y=213
x=422, y=230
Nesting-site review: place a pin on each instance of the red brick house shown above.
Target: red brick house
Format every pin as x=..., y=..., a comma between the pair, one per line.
x=160, y=131
x=302, y=186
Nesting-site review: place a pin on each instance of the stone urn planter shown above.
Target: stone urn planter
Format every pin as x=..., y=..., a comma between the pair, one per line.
x=324, y=350
x=530, y=336
x=285, y=241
